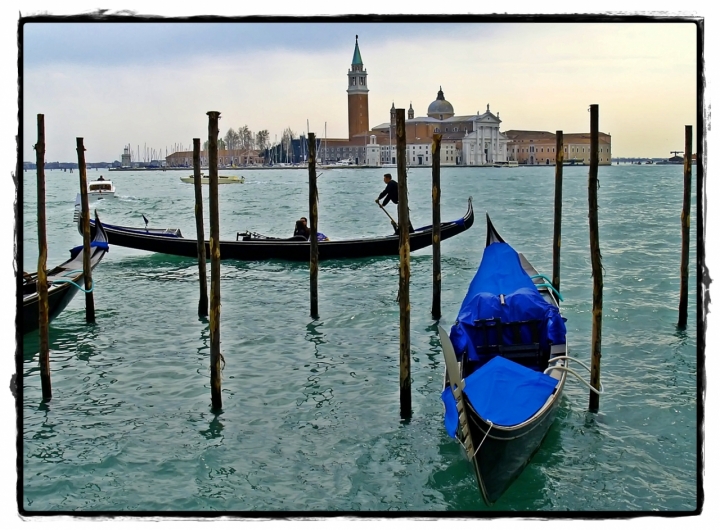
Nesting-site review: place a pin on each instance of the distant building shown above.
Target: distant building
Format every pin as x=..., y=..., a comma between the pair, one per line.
x=468, y=139
x=125, y=159
x=226, y=158
x=539, y=147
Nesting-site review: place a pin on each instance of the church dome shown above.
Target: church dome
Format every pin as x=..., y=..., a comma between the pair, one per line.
x=440, y=108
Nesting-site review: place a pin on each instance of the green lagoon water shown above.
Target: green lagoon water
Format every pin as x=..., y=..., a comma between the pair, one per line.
x=311, y=418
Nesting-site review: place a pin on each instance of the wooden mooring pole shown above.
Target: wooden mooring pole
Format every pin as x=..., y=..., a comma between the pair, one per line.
x=685, y=222
x=215, y=356
x=436, y=312
x=596, y=260
x=313, y=227
x=202, y=264
x=559, y=158
x=404, y=291
x=42, y=287
x=85, y=213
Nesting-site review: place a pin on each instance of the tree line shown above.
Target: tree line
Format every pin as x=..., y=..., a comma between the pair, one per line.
x=243, y=138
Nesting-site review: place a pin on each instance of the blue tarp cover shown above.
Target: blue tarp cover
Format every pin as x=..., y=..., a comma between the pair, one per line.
x=507, y=393
x=501, y=272
x=100, y=244
x=452, y=418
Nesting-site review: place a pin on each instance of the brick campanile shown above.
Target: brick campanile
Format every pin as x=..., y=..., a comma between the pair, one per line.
x=358, y=119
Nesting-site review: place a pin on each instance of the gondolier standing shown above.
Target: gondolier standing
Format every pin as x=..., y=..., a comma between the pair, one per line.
x=391, y=194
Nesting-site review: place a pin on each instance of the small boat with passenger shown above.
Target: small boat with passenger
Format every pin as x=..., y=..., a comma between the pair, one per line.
x=222, y=179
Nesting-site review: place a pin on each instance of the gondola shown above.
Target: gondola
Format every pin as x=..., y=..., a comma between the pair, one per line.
x=252, y=246
x=505, y=364
x=64, y=281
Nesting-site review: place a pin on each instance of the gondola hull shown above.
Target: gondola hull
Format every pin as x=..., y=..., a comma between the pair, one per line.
x=500, y=452
x=58, y=300
x=505, y=452
x=60, y=290
x=171, y=242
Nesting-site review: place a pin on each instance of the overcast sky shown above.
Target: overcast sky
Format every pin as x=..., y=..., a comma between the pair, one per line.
x=150, y=85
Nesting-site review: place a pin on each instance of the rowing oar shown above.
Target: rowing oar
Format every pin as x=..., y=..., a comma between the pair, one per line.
x=394, y=224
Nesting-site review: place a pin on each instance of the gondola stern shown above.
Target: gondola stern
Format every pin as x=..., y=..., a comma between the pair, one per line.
x=492, y=233
x=469, y=218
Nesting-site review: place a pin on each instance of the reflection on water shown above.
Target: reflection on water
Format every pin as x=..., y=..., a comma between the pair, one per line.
x=215, y=428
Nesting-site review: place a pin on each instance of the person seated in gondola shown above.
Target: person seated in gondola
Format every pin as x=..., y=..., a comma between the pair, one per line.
x=302, y=229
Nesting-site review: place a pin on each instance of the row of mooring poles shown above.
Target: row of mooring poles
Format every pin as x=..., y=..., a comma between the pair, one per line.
x=42, y=283
x=685, y=227
x=559, y=158
x=42, y=287
x=85, y=217
x=404, y=250
x=313, y=207
x=596, y=261
x=199, y=224
x=436, y=312
x=215, y=356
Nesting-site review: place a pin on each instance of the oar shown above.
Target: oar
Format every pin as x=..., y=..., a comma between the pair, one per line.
x=394, y=224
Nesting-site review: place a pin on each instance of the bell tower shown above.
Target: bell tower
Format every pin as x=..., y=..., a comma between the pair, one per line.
x=358, y=119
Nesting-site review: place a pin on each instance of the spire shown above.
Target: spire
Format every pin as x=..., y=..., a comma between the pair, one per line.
x=411, y=112
x=357, y=60
x=440, y=94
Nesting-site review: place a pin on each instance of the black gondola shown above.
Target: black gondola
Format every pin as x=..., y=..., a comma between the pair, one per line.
x=256, y=247
x=64, y=281
x=505, y=366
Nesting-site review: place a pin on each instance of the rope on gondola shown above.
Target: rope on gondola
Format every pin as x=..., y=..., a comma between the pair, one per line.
x=483, y=440
x=570, y=370
x=548, y=285
x=60, y=280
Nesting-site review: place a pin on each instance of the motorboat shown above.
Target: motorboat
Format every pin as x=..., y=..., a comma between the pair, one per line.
x=101, y=189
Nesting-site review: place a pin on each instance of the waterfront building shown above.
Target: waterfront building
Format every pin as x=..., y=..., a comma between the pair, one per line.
x=539, y=147
x=468, y=140
x=227, y=158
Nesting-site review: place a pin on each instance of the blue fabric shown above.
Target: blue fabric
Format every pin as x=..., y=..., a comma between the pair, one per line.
x=452, y=419
x=100, y=244
x=501, y=272
x=507, y=393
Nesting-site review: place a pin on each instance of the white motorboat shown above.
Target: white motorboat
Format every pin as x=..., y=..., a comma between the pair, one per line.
x=101, y=189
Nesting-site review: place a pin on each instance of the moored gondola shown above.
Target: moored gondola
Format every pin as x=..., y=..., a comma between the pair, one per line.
x=64, y=281
x=505, y=366
x=251, y=247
